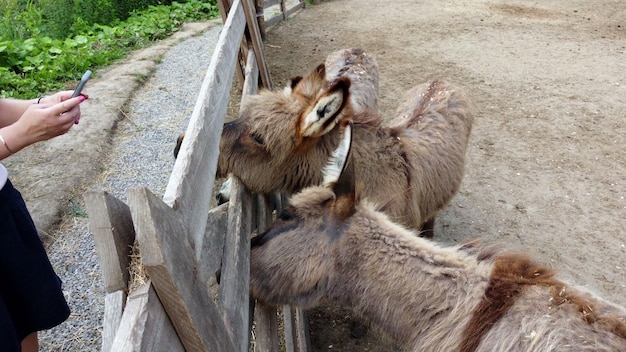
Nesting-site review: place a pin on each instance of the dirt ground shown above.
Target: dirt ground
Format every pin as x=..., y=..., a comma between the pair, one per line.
x=546, y=167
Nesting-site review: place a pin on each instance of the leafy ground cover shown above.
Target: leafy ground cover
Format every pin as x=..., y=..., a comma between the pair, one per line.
x=32, y=66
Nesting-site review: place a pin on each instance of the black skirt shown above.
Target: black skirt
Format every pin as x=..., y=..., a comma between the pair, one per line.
x=31, y=298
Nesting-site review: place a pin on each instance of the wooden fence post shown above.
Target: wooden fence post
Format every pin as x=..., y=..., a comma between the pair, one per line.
x=112, y=227
x=257, y=43
x=235, y=280
x=258, y=6
x=145, y=327
x=170, y=262
x=266, y=317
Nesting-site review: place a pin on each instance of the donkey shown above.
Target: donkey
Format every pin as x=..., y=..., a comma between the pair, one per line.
x=411, y=166
x=331, y=246
x=354, y=63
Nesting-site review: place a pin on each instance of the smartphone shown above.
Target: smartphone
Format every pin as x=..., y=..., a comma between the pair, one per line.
x=81, y=84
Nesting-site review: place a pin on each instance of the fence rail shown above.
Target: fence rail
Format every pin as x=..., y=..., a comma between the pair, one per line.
x=182, y=241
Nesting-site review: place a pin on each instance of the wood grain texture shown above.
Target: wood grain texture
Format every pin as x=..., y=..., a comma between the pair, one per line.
x=170, y=262
x=196, y=164
x=235, y=280
x=145, y=327
x=114, y=234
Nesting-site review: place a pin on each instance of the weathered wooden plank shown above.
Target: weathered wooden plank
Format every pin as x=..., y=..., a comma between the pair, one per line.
x=235, y=279
x=302, y=330
x=291, y=335
x=257, y=44
x=272, y=21
x=266, y=328
x=294, y=9
x=170, y=262
x=114, y=303
x=283, y=15
x=258, y=5
x=251, y=83
x=283, y=9
x=112, y=228
x=209, y=252
x=268, y=3
x=145, y=327
x=224, y=6
x=196, y=164
x=266, y=317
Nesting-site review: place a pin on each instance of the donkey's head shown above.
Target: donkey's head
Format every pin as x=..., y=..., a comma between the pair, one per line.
x=293, y=261
x=279, y=140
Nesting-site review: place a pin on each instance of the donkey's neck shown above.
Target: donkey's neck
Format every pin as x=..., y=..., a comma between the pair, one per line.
x=416, y=291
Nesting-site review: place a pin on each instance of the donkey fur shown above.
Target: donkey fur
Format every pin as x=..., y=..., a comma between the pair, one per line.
x=330, y=246
x=410, y=166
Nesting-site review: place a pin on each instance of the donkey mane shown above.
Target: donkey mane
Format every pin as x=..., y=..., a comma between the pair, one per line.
x=512, y=273
x=367, y=120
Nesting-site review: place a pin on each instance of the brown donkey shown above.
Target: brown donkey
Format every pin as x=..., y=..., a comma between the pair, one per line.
x=411, y=166
x=330, y=246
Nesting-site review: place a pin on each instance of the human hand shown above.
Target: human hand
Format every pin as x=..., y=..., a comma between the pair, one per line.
x=53, y=116
x=58, y=97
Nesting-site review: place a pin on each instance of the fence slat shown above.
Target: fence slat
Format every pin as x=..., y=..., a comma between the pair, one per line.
x=112, y=228
x=209, y=251
x=302, y=323
x=295, y=8
x=196, y=164
x=114, y=303
x=235, y=280
x=268, y=3
x=258, y=6
x=257, y=44
x=251, y=83
x=114, y=234
x=170, y=262
x=266, y=317
x=291, y=336
x=145, y=327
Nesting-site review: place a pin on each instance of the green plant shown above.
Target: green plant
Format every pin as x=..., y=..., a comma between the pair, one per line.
x=76, y=210
x=21, y=19
x=40, y=64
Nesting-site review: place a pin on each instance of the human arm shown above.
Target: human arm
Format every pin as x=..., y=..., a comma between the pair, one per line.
x=53, y=116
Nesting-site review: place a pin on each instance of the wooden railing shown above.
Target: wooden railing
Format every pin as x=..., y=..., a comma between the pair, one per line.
x=182, y=242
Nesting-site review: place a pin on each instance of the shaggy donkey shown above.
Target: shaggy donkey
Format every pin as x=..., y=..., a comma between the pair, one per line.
x=411, y=166
x=353, y=63
x=330, y=246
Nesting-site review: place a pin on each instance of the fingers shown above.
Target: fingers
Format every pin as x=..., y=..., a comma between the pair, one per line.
x=67, y=105
x=62, y=96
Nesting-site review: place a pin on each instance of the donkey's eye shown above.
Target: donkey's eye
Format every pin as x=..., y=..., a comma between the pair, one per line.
x=286, y=215
x=257, y=138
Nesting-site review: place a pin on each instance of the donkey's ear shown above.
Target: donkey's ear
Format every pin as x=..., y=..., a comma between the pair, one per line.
x=339, y=174
x=320, y=72
x=327, y=110
x=292, y=85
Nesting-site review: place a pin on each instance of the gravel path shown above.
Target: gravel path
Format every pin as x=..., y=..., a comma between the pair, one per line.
x=140, y=156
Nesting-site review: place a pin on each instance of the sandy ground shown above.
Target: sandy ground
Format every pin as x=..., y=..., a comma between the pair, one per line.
x=546, y=167
x=546, y=170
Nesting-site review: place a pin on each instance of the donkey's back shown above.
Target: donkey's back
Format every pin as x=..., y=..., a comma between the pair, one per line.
x=362, y=70
x=433, y=125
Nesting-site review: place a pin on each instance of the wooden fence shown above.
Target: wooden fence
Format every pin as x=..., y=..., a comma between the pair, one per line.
x=182, y=242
